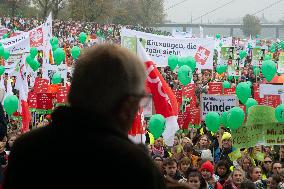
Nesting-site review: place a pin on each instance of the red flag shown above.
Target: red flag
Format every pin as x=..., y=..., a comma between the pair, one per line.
x=163, y=97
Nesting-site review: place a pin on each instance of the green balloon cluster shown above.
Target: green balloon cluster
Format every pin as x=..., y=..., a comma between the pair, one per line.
x=221, y=68
x=11, y=104
x=212, y=121
x=184, y=75
x=157, y=125
x=172, y=62
x=34, y=64
x=250, y=102
x=58, y=56
x=82, y=37
x=268, y=69
x=56, y=78
x=236, y=117
x=279, y=113
x=75, y=52
x=243, y=92
x=226, y=85
x=188, y=61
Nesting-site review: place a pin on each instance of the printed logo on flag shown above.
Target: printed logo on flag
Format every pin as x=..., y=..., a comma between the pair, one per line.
x=202, y=55
x=36, y=37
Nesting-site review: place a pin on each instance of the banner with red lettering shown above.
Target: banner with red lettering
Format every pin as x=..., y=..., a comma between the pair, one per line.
x=215, y=88
x=44, y=101
x=270, y=100
x=188, y=91
x=41, y=85
x=32, y=100
x=230, y=91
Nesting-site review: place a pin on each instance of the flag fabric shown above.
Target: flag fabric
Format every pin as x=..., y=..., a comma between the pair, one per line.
x=163, y=97
x=22, y=86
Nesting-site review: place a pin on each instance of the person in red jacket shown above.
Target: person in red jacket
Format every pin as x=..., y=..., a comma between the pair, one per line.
x=207, y=171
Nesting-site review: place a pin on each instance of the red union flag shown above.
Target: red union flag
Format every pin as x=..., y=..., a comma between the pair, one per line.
x=36, y=37
x=163, y=97
x=202, y=55
x=215, y=88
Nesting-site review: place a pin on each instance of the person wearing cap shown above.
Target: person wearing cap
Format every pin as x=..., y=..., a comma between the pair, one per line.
x=207, y=172
x=225, y=149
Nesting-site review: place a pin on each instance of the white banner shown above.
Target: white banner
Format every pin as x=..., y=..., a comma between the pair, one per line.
x=160, y=47
x=217, y=103
x=17, y=44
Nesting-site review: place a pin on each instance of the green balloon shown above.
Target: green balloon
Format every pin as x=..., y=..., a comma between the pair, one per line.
x=221, y=69
x=212, y=121
x=218, y=36
x=279, y=113
x=250, y=102
x=236, y=77
x=54, y=47
x=2, y=51
x=59, y=56
x=75, y=52
x=33, y=52
x=268, y=69
x=157, y=125
x=56, y=78
x=256, y=71
x=6, y=54
x=184, y=75
x=224, y=119
x=2, y=70
x=82, y=37
x=236, y=117
x=191, y=62
x=35, y=65
x=226, y=85
x=172, y=62
x=267, y=57
x=243, y=91
x=230, y=78
x=220, y=44
x=272, y=48
x=242, y=54
x=54, y=41
x=249, y=46
x=29, y=59
x=6, y=35
x=11, y=104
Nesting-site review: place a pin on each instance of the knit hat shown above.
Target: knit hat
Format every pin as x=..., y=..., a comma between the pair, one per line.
x=226, y=136
x=208, y=166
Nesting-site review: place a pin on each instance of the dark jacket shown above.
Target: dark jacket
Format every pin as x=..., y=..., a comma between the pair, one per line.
x=48, y=157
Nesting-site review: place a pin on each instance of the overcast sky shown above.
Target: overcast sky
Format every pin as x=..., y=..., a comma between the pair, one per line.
x=238, y=8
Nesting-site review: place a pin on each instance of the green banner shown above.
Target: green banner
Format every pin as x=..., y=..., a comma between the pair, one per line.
x=266, y=134
x=228, y=53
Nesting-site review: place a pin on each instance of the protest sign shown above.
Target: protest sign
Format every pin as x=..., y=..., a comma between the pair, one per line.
x=160, y=47
x=215, y=88
x=44, y=101
x=266, y=134
x=217, y=103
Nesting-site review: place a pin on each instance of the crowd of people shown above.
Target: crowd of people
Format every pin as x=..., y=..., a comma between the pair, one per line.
x=198, y=157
